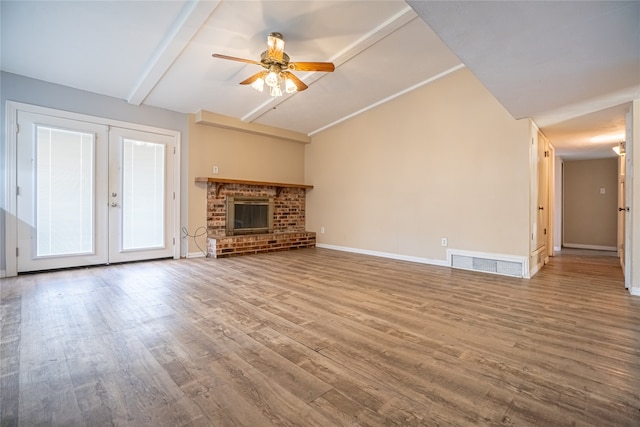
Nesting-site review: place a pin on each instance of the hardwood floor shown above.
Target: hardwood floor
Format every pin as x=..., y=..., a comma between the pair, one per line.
x=320, y=338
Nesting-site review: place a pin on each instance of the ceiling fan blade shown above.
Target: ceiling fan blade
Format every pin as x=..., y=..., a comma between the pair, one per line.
x=312, y=66
x=233, y=58
x=254, y=78
x=296, y=81
x=276, y=46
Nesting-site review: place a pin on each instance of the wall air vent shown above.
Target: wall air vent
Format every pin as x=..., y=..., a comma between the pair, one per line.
x=488, y=263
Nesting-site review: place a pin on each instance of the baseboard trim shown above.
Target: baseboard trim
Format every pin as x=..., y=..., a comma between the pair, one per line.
x=593, y=247
x=439, y=263
x=3, y=274
x=635, y=292
x=534, y=271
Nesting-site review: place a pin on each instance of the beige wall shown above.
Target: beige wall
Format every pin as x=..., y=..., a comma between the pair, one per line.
x=445, y=160
x=590, y=218
x=238, y=155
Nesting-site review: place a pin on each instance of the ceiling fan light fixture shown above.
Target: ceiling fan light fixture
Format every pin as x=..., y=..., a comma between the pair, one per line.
x=290, y=86
x=276, y=91
x=272, y=78
x=258, y=84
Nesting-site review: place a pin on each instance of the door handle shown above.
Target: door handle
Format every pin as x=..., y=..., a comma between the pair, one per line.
x=540, y=208
x=114, y=205
x=621, y=209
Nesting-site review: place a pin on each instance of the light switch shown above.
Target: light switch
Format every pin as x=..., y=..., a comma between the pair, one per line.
x=603, y=190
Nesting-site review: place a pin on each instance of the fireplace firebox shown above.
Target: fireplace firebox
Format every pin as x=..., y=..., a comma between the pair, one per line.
x=249, y=215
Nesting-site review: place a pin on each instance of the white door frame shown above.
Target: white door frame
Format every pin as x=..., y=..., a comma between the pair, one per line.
x=622, y=217
x=12, y=109
x=632, y=231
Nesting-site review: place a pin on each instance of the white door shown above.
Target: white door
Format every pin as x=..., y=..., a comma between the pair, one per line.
x=140, y=195
x=542, y=219
x=89, y=195
x=60, y=223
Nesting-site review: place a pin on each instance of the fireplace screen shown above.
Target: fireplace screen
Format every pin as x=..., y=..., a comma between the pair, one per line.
x=249, y=215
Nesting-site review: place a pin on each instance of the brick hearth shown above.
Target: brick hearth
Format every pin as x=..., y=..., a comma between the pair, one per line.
x=252, y=244
x=288, y=222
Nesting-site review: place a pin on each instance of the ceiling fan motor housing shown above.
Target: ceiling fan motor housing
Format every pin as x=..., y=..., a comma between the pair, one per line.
x=266, y=61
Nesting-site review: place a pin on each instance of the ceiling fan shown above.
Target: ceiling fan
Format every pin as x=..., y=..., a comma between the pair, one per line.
x=277, y=68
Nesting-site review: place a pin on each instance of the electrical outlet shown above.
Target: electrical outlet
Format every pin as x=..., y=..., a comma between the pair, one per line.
x=444, y=242
x=321, y=230
x=215, y=169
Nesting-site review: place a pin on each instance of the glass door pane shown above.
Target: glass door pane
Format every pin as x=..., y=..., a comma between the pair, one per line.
x=61, y=202
x=143, y=195
x=65, y=197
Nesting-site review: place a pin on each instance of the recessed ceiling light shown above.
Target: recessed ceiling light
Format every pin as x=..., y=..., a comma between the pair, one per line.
x=617, y=137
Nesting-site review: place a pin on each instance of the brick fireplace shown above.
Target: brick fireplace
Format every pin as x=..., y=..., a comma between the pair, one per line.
x=288, y=217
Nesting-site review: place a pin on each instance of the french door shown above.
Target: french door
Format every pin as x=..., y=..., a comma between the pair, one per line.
x=91, y=194
x=140, y=198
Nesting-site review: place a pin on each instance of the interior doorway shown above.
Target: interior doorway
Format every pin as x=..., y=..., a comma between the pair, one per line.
x=590, y=204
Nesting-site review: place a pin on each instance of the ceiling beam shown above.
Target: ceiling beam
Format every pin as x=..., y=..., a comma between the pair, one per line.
x=193, y=16
x=395, y=22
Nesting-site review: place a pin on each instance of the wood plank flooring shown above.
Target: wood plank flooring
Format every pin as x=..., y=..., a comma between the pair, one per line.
x=319, y=338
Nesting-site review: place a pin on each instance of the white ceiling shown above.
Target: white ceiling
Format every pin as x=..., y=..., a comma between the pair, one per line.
x=572, y=66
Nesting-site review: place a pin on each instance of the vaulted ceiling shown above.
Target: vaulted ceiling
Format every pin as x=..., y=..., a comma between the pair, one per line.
x=571, y=66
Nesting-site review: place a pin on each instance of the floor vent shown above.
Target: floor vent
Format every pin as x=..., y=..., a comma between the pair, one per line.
x=488, y=264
